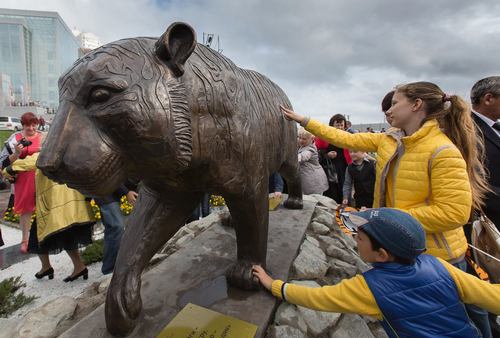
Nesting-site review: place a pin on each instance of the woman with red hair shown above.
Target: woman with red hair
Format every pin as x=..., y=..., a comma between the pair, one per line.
x=28, y=143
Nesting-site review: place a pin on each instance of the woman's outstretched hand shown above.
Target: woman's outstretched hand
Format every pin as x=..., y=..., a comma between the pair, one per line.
x=263, y=277
x=291, y=115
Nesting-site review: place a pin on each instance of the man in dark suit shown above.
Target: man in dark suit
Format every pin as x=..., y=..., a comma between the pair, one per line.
x=485, y=98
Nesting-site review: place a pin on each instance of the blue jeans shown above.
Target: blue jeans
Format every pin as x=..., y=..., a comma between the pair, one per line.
x=478, y=316
x=203, y=209
x=112, y=218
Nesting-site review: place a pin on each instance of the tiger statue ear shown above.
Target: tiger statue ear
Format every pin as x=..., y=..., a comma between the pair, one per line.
x=175, y=46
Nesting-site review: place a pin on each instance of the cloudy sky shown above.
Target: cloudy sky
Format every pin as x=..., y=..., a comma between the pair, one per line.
x=330, y=56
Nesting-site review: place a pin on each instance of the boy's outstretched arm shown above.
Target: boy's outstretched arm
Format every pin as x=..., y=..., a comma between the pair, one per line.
x=472, y=290
x=349, y=296
x=263, y=277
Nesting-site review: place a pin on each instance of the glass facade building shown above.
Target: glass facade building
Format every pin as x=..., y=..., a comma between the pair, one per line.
x=36, y=48
x=15, y=57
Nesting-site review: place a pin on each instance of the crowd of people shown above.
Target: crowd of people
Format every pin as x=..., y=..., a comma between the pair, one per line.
x=417, y=185
x=435, y=166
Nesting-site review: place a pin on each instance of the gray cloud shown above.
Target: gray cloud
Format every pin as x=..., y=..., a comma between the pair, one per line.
x=329, y=56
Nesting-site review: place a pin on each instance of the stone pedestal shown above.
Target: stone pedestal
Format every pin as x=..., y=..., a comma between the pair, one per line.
x=195, y=274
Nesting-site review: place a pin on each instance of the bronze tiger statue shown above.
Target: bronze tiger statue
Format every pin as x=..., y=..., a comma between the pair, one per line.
x=185, y=120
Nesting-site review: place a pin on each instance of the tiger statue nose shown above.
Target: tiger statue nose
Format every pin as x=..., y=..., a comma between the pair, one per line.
x=49, y=164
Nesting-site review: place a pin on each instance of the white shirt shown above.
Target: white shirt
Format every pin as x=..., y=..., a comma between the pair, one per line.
x=488, y=121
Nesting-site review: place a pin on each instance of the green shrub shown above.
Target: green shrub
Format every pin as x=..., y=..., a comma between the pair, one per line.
x=94, y=252
x=9, y=301
x=4, y=135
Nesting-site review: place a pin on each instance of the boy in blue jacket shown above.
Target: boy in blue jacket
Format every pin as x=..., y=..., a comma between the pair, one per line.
x=413, y=294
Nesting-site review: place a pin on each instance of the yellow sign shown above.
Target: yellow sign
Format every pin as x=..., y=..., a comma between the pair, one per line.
x=274, y=202
x=194, y=321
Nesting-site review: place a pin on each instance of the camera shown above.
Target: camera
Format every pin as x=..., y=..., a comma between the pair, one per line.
x=25, y=142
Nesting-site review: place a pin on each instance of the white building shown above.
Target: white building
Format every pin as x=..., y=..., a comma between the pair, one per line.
x=88, y=40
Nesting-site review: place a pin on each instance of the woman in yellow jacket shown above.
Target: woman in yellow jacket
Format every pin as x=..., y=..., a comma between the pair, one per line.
x=429, y=165
x=64, y=220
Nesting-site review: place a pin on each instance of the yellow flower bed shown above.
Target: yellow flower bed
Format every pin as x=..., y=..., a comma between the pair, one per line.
x=95, y=209
x=125, y=207
x=11, y=216
x=217, y=201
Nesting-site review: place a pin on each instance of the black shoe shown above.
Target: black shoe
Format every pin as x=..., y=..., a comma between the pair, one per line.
x=49, y=272
x=84, y=273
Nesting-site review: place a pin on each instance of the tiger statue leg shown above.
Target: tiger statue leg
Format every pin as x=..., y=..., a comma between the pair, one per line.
x=156, y=218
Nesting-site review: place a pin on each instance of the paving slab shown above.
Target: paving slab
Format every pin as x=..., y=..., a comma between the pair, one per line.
x=9, y=255
x=195, y=274
x=4, y=199
x=12, y=255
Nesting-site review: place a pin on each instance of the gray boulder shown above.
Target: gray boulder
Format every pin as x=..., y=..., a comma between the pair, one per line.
x=337, y=252
x=44, y=321
x=351, y=326
x=324, y=217
x=8, y=328
x=377, y=330
x=319, y=228
x=287, y=314
x=311, y=261
x=285, y=331
x=318, y=322
x=325, y=201
x=348, y=239
x=341, y=269
x=191, y=230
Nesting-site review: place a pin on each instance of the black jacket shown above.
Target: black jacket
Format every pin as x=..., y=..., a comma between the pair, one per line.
x=492, y=152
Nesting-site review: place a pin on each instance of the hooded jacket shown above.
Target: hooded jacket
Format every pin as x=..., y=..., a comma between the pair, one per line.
x=312, y=176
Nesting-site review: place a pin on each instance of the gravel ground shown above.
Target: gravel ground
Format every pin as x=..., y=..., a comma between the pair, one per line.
x=45, y=289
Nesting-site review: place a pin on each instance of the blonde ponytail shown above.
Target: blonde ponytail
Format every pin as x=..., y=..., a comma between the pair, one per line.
x=458, y=125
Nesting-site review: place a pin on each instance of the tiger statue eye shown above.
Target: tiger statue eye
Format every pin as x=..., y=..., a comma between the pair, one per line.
x=100, y=95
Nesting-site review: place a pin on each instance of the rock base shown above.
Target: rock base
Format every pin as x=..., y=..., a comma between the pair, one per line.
x=191, y=268
x=195, y=274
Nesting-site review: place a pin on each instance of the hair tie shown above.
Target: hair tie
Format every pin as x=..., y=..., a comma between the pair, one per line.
x=446, y=98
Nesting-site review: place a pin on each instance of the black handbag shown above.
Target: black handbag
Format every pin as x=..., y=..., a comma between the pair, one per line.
x=331, y=172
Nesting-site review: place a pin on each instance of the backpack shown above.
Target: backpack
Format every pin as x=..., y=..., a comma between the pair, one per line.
x=485, y=245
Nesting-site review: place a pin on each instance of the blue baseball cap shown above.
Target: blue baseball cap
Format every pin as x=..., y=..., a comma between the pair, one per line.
x=397, y=231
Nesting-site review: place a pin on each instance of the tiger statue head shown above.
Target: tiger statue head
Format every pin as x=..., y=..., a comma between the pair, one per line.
x=123, y=112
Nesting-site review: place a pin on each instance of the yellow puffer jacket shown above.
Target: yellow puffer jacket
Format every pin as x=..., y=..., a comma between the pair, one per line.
x=423, y=174
x=57, y=206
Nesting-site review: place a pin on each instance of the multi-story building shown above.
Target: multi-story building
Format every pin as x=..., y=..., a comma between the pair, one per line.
x=36, y=48
x=88, y=41
x=6, y=96
x=15, y=56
